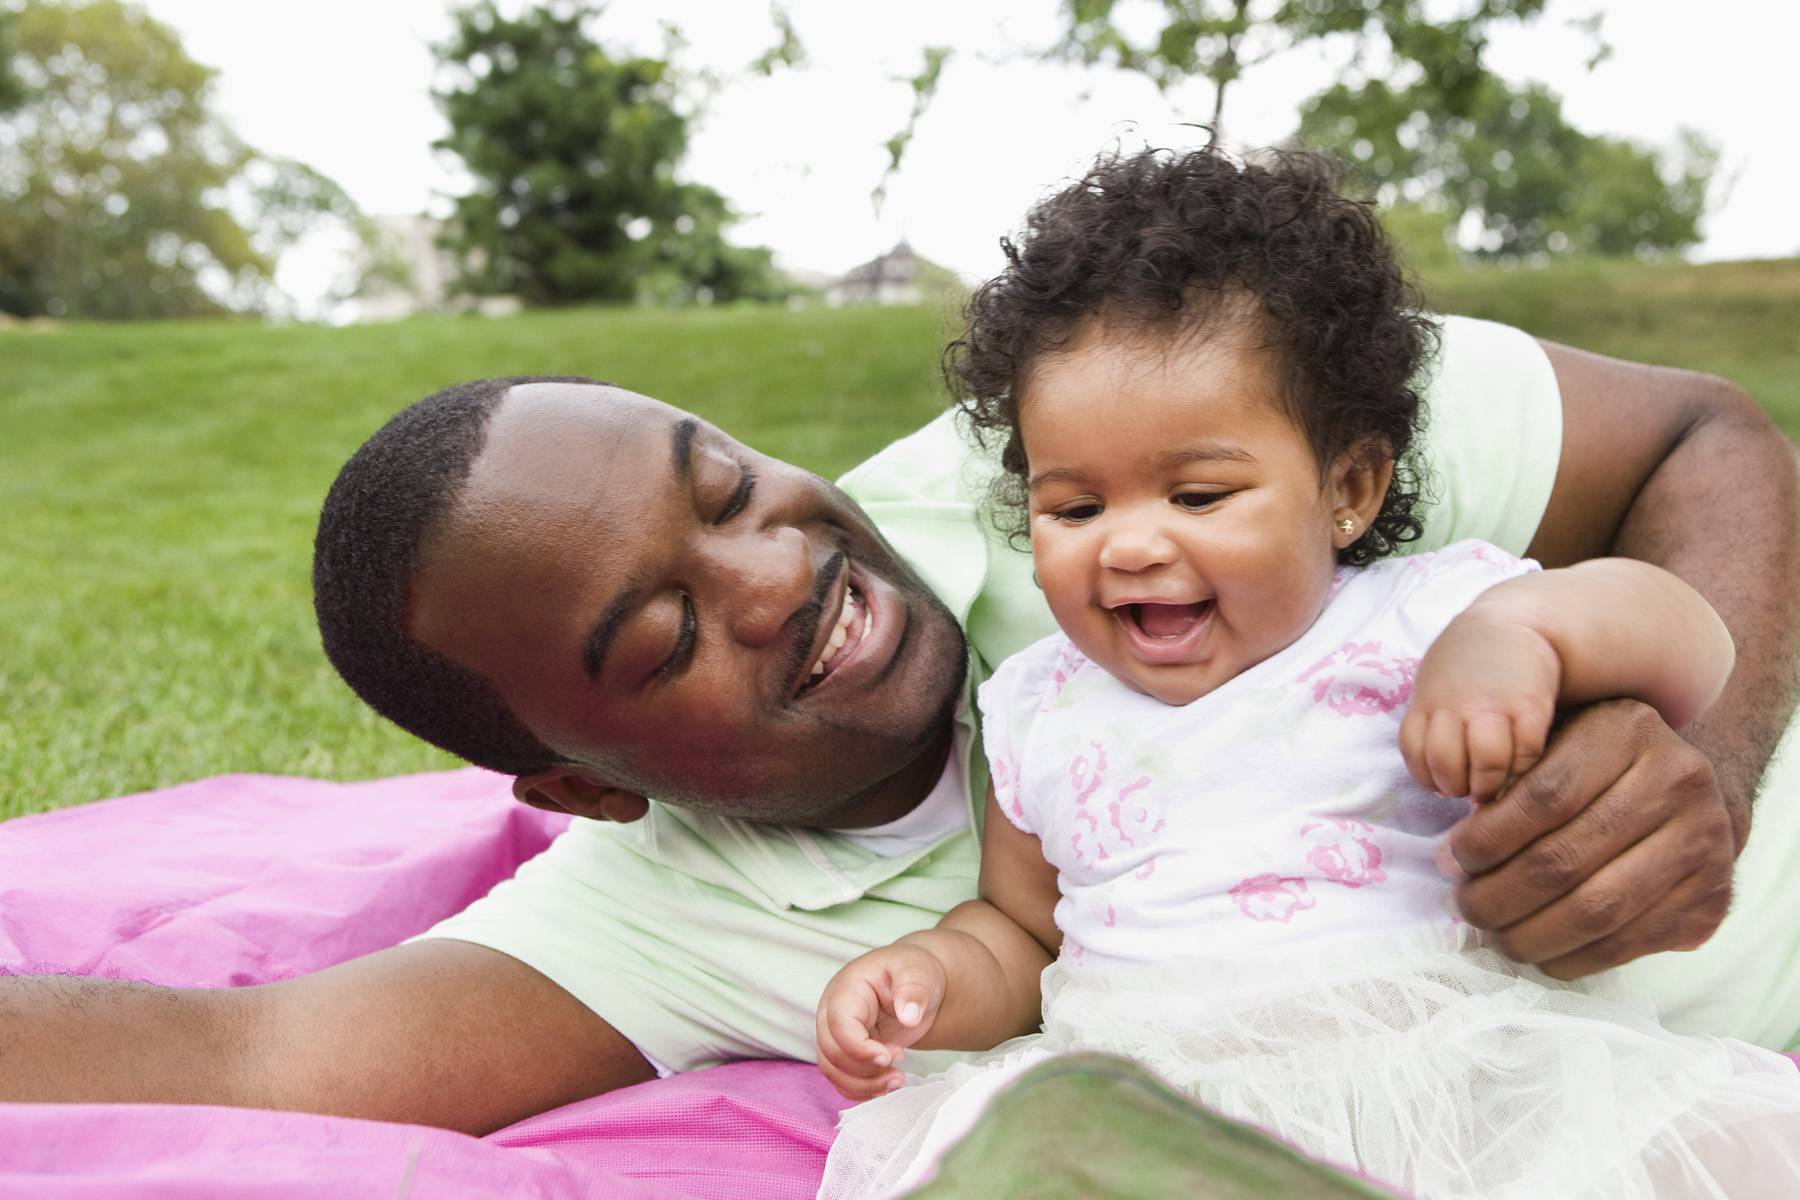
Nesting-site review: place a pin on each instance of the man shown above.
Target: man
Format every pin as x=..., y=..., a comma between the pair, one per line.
x=614, y=601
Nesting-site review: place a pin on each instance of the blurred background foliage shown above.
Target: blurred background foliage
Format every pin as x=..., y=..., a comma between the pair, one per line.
x=162, y=477
x=573, y=151
x=125, y=193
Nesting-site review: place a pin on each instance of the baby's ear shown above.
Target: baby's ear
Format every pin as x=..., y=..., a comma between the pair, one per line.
x=579, y=792
x=1359, y=482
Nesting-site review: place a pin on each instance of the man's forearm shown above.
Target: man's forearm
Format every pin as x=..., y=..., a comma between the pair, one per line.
x=104, y=1040
x=1722, y=511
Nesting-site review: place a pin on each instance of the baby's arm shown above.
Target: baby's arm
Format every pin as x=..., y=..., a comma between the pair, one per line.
x=968, y=984
x=1489, y=687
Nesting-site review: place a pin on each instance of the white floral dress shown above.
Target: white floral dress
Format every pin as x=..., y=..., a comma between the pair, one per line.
x=1250, y=904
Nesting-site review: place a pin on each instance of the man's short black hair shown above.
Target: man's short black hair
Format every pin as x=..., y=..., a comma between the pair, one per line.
x=386, y=500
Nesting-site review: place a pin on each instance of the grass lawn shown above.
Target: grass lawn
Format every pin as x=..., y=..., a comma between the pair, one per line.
x=161, y=482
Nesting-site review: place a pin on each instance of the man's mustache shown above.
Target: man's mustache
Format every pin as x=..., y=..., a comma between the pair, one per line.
x=806, y=621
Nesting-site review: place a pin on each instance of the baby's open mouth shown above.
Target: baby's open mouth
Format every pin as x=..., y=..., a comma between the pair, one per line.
x=1164, y=621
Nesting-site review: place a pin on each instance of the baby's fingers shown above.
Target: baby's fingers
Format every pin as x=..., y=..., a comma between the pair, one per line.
x=1447, y=753
x=1490, y=753
x=844, y=1035
x=1412, y=745
x=917, y=990
x=853, y=1076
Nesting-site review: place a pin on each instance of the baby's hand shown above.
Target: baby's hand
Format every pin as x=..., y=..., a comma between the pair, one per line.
x=1481, y=706
x=871, y=1011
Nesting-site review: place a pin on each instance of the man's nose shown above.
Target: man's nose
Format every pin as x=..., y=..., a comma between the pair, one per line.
x=761, y=579
x=1133, y=543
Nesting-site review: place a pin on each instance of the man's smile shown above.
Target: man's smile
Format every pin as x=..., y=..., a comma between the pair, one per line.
x=858, y=644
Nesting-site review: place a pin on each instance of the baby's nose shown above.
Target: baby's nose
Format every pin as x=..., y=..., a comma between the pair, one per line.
x=1136, y=546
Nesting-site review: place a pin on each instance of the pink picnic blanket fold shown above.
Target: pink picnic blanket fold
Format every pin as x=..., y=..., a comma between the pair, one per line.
x=247, y=879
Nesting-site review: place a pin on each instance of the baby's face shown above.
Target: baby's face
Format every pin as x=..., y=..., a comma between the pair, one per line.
x=1180, y=526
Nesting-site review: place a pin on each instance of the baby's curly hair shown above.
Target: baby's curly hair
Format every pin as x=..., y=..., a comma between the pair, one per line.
x=1174, y=242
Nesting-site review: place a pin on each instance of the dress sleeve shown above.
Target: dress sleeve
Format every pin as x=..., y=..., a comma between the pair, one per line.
x=1437, y=587
x=1492, y=437
x=1011, y=702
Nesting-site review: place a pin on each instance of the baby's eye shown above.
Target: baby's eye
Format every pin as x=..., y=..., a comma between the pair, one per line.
x=1195, y=501
x=1076, y=514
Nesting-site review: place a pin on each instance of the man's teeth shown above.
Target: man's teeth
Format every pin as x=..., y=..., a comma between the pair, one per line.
x=840, y=633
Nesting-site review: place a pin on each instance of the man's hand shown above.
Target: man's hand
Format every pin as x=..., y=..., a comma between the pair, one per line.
x=871, y=1011
x=1616, y=844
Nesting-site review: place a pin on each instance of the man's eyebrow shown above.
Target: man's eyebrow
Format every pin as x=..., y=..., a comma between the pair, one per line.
x=681, y=445
x=600, y=637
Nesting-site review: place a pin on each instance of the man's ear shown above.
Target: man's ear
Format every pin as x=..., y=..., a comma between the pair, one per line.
x=579, y=792
x=1357, y=485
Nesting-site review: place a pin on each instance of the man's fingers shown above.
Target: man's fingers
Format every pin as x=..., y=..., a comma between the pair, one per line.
x=1572, y=773
x=1683, y=919
x=1555, y=864
x=1612, y=897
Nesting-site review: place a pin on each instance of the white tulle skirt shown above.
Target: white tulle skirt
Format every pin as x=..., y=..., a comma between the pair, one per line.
x=1425, y=1061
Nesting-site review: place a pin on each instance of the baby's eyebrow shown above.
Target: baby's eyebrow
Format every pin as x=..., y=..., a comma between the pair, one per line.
x=1055, y=475
x=1211, y=452
x=1214, y=452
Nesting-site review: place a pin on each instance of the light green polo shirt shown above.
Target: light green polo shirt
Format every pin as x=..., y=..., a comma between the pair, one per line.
x=704, y=939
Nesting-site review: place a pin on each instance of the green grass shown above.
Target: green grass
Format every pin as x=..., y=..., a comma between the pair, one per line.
x=160, y=483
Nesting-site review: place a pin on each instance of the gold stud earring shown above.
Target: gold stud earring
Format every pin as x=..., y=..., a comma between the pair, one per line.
x=1346, y=525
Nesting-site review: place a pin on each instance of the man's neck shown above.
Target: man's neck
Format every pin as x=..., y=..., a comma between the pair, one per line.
x=902, y=791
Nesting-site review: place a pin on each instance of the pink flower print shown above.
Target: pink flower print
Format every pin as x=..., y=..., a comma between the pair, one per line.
x=1356, y=679
x=1006, y=785
x=1069, y=662
x=1343, y=850
x=1126, y=815
x=1271, y=897
x=1085, y=777
x=1479, y=552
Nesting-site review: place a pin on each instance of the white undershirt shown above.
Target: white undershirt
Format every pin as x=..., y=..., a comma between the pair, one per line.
x=944, y=811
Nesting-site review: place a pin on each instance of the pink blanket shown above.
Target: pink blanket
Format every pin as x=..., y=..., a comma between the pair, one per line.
x=245, y=879
x=249, y=878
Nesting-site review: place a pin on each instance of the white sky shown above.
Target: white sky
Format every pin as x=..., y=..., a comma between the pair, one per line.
x=344, y=86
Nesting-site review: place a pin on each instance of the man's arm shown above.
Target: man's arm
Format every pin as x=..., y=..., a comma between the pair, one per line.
x=437, y=1033
x=1620, y=842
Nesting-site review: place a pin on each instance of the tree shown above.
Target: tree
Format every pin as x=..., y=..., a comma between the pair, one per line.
x=11, y=93
x=1416, y=113
x=1218, y=40
x=1510, y=167
x=572, y=150
x=122, y=193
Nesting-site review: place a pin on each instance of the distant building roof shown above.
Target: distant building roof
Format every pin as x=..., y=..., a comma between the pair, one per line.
x=899, y=265
x=901, y=276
